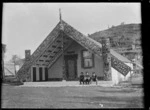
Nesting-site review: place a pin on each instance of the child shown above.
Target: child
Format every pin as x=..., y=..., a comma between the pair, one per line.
x=87, y=78
x=94, y=77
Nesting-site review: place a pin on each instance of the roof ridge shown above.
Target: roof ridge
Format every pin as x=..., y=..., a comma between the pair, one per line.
x=84, y=35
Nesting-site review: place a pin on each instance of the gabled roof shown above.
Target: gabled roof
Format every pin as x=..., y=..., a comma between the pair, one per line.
x=83, y=40
x=120, y=57
x=9, y=68
x=130, y=51
x=118, y=61
x=24, y=70
x=137, y=63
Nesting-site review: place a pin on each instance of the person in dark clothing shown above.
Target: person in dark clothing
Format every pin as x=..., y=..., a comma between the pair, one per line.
x=94, y=77
x=82, y=78
x=87, y=78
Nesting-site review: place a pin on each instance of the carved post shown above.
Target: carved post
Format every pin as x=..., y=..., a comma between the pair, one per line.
x=62, y=46
x=27, y=59
x=63, y=65
x=27, y=55
x=106, y=59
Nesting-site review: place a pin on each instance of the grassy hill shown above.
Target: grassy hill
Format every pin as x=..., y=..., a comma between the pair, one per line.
x=121, y=36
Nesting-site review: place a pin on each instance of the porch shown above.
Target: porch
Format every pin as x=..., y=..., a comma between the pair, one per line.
x=65, y=84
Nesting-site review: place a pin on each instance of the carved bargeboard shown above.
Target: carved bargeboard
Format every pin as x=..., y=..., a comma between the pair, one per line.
x=24, y=73
x=120, y=66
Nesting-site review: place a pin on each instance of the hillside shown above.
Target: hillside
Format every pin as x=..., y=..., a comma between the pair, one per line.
x=121, y=36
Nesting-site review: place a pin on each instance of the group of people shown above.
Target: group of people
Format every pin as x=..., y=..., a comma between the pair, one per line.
x=87, y=79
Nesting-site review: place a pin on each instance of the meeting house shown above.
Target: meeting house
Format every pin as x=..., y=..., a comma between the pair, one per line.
x=66, y=52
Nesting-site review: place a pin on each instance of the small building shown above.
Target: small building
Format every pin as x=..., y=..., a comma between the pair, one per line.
x=66, y=52
x=9, y=69
x=19, y=63
x=132, y=54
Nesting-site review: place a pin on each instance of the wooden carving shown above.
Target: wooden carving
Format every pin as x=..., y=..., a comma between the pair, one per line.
x=106, y=59
x=87, y=42
x=83, y=40
x=23, y=73
x=120, y=66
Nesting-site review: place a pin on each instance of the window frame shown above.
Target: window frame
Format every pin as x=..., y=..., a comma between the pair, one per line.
x=82, y=60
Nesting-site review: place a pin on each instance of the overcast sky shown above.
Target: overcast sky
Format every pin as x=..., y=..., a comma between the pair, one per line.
x=26, y=25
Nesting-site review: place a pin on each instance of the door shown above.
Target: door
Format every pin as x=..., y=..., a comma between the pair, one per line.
x=46, y=74
x=71, y=67
x=34, y=74
x=41, y=73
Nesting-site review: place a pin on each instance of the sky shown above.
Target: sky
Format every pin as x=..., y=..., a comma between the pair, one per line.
x=26, y=25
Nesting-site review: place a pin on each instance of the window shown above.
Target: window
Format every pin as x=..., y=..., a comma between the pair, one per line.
x=87, y=59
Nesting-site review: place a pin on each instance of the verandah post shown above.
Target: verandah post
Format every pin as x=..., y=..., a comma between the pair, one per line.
x=106, y=59
x=27, y=59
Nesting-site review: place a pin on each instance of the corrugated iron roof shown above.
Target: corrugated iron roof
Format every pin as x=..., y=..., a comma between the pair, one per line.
x=138, y=64
x=119, y=56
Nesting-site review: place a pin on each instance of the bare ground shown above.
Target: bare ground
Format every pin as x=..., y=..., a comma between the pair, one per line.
x=71, y=97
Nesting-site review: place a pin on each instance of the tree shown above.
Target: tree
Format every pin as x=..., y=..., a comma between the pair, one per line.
x=16, y=60
x=3, y=52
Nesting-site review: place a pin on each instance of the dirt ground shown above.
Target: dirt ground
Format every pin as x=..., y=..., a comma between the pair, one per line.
x=71, y=97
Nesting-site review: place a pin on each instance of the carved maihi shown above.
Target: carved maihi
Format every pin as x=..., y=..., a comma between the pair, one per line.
x=106, y=59
x=81, y=39
x=23, y=74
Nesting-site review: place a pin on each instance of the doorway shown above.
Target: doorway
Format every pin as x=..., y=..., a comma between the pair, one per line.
x=71, y=66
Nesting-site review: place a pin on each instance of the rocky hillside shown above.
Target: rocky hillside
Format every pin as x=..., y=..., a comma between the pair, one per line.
x=121, y=36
